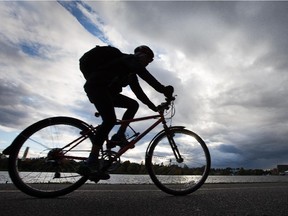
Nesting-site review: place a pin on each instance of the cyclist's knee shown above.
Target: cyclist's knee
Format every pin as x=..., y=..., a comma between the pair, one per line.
x=134, y=106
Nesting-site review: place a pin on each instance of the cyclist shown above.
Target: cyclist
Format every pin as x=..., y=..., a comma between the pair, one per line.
x=103, y=88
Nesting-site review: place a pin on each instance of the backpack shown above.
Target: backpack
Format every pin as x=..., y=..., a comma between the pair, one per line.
x=98, y=57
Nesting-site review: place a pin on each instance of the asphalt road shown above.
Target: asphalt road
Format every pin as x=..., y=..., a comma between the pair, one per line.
x=211, y=199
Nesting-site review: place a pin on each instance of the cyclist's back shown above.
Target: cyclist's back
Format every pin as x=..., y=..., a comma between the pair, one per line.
x=116, y=71
x=97, y=58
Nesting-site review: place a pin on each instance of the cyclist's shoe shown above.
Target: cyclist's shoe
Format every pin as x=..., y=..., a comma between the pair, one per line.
x=84, y=170
x=98, y=175
x=119, y=140
x=93, y=172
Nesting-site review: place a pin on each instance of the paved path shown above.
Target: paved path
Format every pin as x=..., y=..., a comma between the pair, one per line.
x=137, y=200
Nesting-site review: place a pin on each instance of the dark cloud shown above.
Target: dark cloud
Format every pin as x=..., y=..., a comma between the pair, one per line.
x=229, y=149
x=12, y=111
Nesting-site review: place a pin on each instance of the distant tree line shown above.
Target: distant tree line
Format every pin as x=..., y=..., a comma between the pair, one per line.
x=239, y=171
x=128, y=167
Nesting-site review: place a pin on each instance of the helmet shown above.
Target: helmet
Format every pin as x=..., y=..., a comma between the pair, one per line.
x=146, y=50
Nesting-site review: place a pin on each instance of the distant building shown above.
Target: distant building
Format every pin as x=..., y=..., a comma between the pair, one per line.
x=282, y=169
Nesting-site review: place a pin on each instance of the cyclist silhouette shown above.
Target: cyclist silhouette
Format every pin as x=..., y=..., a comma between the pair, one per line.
x=103, y=88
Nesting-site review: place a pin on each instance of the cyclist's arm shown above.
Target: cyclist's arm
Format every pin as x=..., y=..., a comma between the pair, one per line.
x=133, y=66
x=138, y=91
x=151, y=80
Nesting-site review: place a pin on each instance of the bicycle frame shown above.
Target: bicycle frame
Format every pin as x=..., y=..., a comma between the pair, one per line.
x=160, y=119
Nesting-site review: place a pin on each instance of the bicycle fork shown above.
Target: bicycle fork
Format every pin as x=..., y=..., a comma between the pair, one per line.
x=173, y=145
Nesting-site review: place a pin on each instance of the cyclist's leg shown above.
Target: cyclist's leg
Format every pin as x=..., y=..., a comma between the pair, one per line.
x=132, y=107
x=105, y=107
x=102, y=100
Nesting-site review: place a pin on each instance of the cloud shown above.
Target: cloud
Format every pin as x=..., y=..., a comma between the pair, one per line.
x=87, y=17
x=39, y=63
x=226, y=60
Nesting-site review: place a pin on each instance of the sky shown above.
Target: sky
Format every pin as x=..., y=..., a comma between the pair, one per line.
x=227, y=61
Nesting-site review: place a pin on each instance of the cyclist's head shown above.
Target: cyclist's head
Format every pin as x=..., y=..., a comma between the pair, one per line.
x=144, y=51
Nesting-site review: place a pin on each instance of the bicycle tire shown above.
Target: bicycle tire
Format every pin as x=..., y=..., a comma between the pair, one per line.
x=178, y=178
x=29, y=166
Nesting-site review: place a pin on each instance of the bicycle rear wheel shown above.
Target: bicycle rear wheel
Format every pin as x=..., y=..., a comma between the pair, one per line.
x=38, y=165
x=178, y=177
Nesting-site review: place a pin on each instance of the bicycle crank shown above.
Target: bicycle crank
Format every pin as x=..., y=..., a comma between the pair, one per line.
x=110, y=161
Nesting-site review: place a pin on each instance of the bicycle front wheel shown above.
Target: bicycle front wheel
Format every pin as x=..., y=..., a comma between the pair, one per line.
x=183, y=175
x=40, y=166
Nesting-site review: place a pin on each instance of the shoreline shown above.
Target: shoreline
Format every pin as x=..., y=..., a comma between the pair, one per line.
x=146, y=180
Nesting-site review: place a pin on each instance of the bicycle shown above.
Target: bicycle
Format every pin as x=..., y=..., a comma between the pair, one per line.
x=44, y=158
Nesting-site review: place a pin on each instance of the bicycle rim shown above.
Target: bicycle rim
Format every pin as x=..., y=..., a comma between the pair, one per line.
x=178, y=178
x=32, y=168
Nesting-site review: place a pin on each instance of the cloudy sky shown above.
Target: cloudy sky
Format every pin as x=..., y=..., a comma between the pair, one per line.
x=226, y=60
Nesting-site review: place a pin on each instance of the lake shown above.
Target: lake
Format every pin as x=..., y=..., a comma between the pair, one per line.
x=145, y=179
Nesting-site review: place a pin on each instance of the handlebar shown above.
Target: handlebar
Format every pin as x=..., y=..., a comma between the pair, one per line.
x=166, y=105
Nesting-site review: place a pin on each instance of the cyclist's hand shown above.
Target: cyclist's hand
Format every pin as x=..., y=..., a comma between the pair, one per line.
x=153, y=107
x=168, y=91
x=159, y=108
